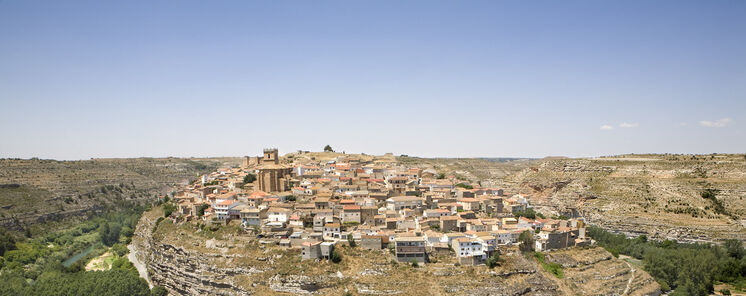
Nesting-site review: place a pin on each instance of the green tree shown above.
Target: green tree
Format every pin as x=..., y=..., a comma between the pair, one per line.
x=103, y=232
x=249, y=178
x=465, y=186
x=526, y=240
x=351, y=241
x=168, y=208
x=120, y=249
x=158, y=291
x=687, y=269
x=13, y=283
x=336, y=256
x=110, y=233
x=201, y=210
x=123, y=263
x=328, y=148
x=7, y=242
x=110, y=282
x=528, y=213
x=493, y=260
x=735, y=248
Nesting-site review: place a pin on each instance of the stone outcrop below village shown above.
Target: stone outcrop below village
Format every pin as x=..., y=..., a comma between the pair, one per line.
x=189, y=260
x=193, y=273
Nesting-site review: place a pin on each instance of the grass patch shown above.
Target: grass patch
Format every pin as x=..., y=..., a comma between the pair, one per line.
x=552, y=268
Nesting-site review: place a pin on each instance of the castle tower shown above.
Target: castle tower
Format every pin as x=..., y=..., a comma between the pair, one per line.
x=271, y=156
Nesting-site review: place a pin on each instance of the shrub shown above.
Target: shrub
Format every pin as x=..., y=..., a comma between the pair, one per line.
x=158, y=291
x=120, y=249
x=527, y=241
x=336, y=256
x=553, y=268
x=7, y=242
x=528, y=213
x=249, y=178
x=465, y=186
x=168, y=208
x=201, y=210
x=109, y=233
x=494, y=260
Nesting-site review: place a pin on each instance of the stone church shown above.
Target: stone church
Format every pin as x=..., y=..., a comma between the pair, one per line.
x=272, y=176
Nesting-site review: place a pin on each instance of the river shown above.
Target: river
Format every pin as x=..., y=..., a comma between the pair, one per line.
x=77, y=257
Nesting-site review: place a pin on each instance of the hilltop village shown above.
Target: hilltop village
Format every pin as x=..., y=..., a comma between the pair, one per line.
x=374, y=202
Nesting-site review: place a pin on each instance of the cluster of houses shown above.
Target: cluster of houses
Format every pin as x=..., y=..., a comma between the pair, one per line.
x=377, y=203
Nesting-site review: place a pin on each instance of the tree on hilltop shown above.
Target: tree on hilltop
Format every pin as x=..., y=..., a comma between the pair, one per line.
x=328, y=148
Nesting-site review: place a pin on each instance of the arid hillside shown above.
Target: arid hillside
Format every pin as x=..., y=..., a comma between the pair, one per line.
x=490, y=172
x=684, y=197
x=657, y=195
x=34, y=191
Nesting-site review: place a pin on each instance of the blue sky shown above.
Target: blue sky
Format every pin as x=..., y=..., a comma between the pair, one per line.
x=81, y=79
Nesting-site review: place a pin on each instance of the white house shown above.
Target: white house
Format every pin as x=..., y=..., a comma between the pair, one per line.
x=397, y=203
x=468, y=247
x=332, y=230
x=489, y=244
x=222, y=209
x=278, y=215
x=435, y=213
x=504, y=237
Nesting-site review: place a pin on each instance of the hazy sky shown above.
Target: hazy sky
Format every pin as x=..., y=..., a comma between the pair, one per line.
x=81, y=79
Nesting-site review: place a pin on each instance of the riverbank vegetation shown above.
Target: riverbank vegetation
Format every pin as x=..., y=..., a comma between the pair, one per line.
x=686, y=269
x=54, y=264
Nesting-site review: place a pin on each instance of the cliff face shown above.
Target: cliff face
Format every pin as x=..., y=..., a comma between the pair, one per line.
x=193, y=273
x=188, y=260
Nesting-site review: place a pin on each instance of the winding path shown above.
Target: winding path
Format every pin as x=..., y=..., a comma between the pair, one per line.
x=631, y=278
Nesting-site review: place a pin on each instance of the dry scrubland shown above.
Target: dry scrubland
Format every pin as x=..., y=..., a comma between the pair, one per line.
x=490, y=172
